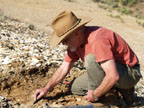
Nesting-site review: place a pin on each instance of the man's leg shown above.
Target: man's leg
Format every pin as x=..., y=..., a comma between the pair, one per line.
x=90, y=80
x=95, y=74
x=80, y=85
x=128, y=79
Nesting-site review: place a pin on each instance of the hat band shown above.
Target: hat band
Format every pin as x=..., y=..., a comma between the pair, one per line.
x=70, y=28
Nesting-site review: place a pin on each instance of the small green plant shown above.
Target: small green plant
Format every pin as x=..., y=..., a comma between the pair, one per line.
x=139, y=16
x=102, y=6
x=69, y=0
x=132, y=2
x=114, y=5
x=123, y=2
x=2, y=18
x=117, y=16
x=96, y=0
x=31, y=27
x=124, y=10
x=142, y=24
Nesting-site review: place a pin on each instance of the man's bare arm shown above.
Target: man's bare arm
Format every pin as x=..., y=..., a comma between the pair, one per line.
x=58, y=76
x=110, y=79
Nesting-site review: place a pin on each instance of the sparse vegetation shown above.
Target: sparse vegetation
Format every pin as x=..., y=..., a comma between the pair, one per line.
x=31, y=27
x=69, y=0
x=140, y=22
x=124, y=10
x=119, y=2
x=117, y=17
x=122, y=6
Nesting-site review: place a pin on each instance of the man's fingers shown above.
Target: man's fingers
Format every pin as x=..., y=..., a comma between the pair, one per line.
x=88, y=98
x=85, y=97
x=36, y=94
x=40, y=95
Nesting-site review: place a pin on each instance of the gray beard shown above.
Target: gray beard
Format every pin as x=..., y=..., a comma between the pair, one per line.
x=72, y=49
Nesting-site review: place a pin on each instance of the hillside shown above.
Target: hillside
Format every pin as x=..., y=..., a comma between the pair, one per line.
x=24, y=34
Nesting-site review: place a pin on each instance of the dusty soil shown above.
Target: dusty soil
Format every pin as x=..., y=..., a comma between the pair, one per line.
x=139, y=7
x=21, y=88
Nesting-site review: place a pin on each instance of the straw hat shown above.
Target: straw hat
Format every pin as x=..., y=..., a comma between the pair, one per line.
x=63, y=25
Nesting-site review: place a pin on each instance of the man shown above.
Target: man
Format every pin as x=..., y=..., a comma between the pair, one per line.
x=109, y=61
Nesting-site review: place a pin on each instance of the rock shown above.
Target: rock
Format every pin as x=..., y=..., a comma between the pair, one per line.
x=6, y=60
x=55, y=105
x=45, y=105
x=34, y=61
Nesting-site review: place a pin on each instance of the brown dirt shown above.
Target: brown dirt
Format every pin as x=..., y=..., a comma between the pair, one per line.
x=40, y=13
x=20, y=89
x=139, y=7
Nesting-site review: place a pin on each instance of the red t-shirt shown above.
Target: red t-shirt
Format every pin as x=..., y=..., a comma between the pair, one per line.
x=105, y=45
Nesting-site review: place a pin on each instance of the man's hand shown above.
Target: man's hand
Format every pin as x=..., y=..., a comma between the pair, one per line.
x=58, y=76
x=40, y=93
x=89, y=96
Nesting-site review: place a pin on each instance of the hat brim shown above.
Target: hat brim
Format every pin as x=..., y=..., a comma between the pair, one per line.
x=55, y=40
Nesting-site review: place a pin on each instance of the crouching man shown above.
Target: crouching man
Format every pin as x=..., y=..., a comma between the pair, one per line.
x=109, y=60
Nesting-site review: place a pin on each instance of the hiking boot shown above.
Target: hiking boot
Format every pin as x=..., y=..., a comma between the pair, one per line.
x=110, y=98
x=128, y=96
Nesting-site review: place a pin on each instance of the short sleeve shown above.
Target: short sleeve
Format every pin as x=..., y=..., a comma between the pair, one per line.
x=102, y=50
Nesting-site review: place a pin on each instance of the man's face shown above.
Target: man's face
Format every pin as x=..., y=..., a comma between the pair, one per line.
x=74, y=41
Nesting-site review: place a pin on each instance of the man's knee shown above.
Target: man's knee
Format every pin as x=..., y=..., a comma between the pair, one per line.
x=77, y=90
x=80, y=85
